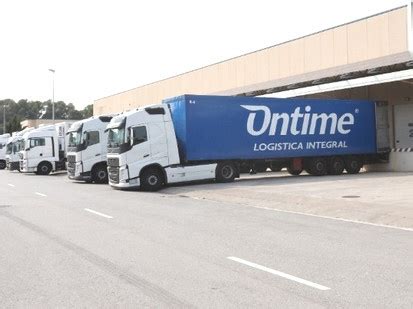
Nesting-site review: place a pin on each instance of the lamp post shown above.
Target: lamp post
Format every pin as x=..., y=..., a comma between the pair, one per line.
x=53, y=71
x=4, y=118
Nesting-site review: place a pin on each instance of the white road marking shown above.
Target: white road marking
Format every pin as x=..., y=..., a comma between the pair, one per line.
x=337, y=219
x=11, y=185
x=279, y=273
x=98, y=213
x=40, y=194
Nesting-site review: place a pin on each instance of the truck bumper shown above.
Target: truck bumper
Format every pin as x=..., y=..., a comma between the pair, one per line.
x=81, y=176
x=24, y=168
x=13, y=166
x=129, y=184
x=75, y=172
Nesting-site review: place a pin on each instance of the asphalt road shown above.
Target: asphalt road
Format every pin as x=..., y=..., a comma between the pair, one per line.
x=65, y=244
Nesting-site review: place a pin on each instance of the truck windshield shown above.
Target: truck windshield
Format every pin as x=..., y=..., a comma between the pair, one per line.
x=9, y=148
x=116, y=137
x=75, y=138
x=17, y=146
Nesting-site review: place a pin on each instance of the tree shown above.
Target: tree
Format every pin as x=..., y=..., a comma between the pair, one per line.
x=87, y=111
x=13, y=125
x=24, y=109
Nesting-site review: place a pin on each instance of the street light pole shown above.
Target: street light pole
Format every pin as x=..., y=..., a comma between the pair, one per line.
x=4, y=118
x=53, y=71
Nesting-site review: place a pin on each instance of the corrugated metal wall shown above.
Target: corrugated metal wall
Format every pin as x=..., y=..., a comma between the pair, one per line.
x=380, y=39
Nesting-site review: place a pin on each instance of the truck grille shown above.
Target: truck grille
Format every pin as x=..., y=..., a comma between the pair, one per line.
x=113, y=174
x=71, y=159
x=71, y=167
x=113, y=162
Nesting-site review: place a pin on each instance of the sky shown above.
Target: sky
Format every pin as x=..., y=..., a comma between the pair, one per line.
x=98, y=47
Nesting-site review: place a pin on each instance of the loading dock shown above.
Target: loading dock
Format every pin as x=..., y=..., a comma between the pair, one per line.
x=378, y=50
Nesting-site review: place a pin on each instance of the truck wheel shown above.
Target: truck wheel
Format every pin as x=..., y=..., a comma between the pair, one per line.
x=317, y=167
x=44, y=168
x=353, y=164
x=293, y=171
x=335, y=166
x=225, y=172
x=100, y=174
x=152, y=179
x=2, y=165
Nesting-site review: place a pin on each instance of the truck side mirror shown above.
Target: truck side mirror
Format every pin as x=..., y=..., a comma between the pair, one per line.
x=86, y=139
x=131, y=137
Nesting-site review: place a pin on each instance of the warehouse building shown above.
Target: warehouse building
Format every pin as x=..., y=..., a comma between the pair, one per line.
x=371, y=58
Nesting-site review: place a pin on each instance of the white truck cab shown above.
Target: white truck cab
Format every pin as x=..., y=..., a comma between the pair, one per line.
x=87, y=150
x=143, y=151
x=44, y=149
x=14, y=145
x=3, y=142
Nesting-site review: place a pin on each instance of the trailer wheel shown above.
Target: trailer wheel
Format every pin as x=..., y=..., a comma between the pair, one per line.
x=225, y=172
x=152, y=179
x=335, y=166
x=44, y=168
x=2, y=165
x=100, y=174
x=295, y=172
x=353, y=164
x=317, y=167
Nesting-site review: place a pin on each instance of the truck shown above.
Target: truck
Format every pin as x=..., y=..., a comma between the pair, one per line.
x=87, y=150
x=194, y=137
x=44, y=149
x=3, y=143
x=14, y=145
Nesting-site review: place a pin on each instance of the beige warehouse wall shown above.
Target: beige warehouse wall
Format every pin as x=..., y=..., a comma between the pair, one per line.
x=395, y=93
x=367, y=43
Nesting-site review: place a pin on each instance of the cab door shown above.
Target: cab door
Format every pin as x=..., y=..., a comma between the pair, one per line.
x=92, y=153
x=37, y=147
x=140, y=153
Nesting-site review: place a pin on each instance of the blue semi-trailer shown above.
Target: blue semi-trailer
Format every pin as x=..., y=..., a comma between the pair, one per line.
x=194, y=137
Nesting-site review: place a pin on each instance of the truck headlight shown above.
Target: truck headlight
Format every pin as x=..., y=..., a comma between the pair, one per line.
x=123, y=174
x=78, y=167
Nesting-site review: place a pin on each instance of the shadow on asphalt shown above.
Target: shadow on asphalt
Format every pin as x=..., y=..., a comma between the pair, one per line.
x=277, y=178
x=56, y=174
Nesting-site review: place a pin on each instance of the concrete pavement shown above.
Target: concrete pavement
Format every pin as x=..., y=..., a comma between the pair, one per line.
x=73, y=244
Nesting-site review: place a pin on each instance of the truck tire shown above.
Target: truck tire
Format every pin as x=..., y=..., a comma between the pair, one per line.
x=152, y=179
x=335, y=166
x=293, y=171
x=100, y=174
x=225, y=172
x=44, y=168
x=317, y=166
x=2, y=164
x=353, y=164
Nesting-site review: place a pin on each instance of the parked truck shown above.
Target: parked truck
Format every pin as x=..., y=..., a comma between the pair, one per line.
x=87, y=150
x=13, y=147
x=44, y=149
x=192, y=137
x=3, y=143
